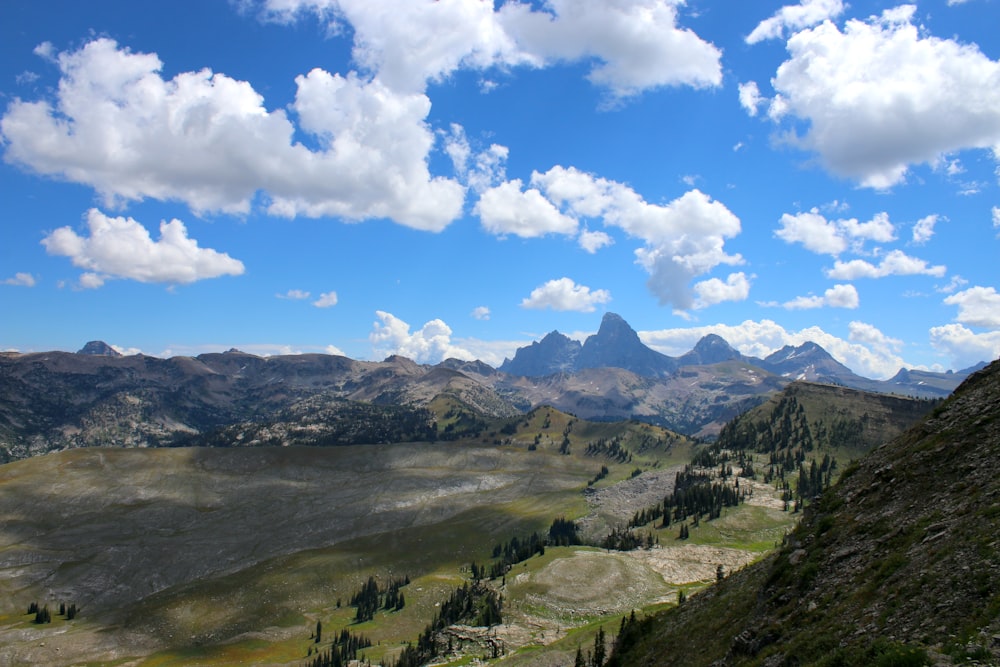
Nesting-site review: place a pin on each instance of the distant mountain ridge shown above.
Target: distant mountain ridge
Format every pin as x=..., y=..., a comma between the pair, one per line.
x=56, y=400
x=617, y=345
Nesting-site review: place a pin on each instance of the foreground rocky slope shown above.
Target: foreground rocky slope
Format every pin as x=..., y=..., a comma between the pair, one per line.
x=897, y=564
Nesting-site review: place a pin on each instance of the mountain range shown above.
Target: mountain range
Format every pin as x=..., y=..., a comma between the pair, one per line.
x=55, y=400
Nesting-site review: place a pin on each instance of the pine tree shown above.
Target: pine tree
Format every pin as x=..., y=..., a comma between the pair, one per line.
x=599, y=648
x=319, y=631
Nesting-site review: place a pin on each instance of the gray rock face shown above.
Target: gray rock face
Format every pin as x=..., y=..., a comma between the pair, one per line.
x=617, y=345
x=99, y=348
x=556, y=353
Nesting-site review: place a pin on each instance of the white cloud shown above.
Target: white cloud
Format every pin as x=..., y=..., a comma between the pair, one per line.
x=26, y=78
x=813, y=231
x=207, y=140
x=750, y=98
x=594, y=241
x=838, y=296
x=923, y=229
x=863, y=332
x=21, y=279
x=952, y=285
x=637, y=43
x=863, y=354
x=334, y=350
x=430, y=345
x=964, y=347
x=326, y=300
x=480, y=171
x=564, y=294
x=122, y=248
x=895, y=263
x=977, y=306
x=712, y=291
x=683, y=239
x=506, y=209
x=481, y=313
x=831, y=237
x=633, y=45
x=877, y=229
x=126, y=351
x=294, y=294
x=795, y=17
x=995, y=211
x=879, y=97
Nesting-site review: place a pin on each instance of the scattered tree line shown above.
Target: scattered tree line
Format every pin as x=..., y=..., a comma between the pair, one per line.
x=476, y=604
x=625, y=539
x=341, y=652
x=562, y=532
x=599, y=476
x=372, y=597
x=612, y=449
x=695, y=495
x=43, y=615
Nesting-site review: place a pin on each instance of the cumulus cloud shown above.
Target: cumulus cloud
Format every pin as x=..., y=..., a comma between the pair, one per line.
x=564, y=294
x=995, y=211
x=923, y=229
x=895, y=263
x=122, y=248
x=594, y=241
x=709, y=292
x=878, y=96
x=977, y=306
x=21, y=279
x=326, y=300
x=507, y=209
x=838, y=296
x=866, y=352
x=481, y=313
x=795, y=17
x=684, y=238
x=632, y=45
x=832, y=237
x=964, y=347
x=431, y=344
x=637, y=44
x=480, y=171
x=750, y=98
x=813, y=231
x=206, y=139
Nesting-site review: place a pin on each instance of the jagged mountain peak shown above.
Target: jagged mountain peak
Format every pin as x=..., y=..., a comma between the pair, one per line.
x=711, y=349
x=99, y=348
x=617, y=345
x=555, y=353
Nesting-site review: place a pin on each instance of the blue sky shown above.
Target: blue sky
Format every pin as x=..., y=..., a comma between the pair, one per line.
x=458, y=178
